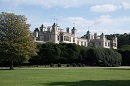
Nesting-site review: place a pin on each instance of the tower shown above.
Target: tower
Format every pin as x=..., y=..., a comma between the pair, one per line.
x=41, y=32
x=42, y=28
x=67, y=30
x=74, y=31
x=36, y=34
x=95, y=35
x=114, y=42
x=88, y=35
x=115, y=38
x=54, y=27
x=55, y=33
x=102, y=38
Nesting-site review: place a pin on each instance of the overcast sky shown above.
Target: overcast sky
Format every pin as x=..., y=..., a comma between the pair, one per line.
x=108, y=16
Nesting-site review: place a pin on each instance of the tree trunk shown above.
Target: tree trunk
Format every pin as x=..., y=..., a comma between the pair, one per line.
x=11, y=65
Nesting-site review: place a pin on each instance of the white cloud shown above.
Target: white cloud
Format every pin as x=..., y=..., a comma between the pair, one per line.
x=103, y=19
x=61, y=3
x=53, y=3
x=95, y=25
x=108, y=23
x=97, y=7
x=126, y=5
x=79, y=21
x=105, y=8
x=105, y=22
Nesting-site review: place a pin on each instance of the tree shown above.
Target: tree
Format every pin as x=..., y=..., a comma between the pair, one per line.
x=125, y=47
x=125, y=52
x=50, y=53
x=69, y=53
x=123, y=39
x=16, y=43
x=104, y=57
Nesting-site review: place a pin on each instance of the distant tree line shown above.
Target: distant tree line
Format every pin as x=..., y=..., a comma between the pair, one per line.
x=123, y=39
x=71, y=53
x=123, y=47
x=50, y=53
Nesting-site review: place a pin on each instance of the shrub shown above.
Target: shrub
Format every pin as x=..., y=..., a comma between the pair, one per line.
x=74, y=65
x=83, y=65
x=59, y=65
x=68, y=65
x=79, y=64
x=51, y=65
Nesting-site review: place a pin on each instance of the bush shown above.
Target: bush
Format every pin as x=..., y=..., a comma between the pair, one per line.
x=74, y=65
x=83, y=65
x=68, y=65
x=59, y=65
x=79, y=64
x=51, y=65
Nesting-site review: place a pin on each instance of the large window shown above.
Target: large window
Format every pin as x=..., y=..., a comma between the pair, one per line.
x=58, y=38
x=73, y=39
x=70, y=39
x=108, y=44
x=114, y=44
x=105, y=44
x=66, y=38
x=61, y=38
x=81, y=43
x=85, y=43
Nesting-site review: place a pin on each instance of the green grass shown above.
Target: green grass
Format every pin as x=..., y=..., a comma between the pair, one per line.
x=65, y=77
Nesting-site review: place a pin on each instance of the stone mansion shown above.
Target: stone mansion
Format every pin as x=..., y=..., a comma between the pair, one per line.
x=56, y=35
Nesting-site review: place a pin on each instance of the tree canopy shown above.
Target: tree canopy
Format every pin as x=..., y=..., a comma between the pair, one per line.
x=16, y=43
x=123, y=39
x=75, y=54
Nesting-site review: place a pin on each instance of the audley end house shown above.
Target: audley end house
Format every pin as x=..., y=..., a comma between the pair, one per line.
x=55, y=34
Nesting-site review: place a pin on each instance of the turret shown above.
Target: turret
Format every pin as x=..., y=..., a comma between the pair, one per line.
x=88, y=35
x=67, y=30
x=55, y=32
x=42, y=28
x=114, y=42
x=102, y=37
x=115, y=38
x=36, y=32
x=95, y=35
x=74, y=31
x=49, y=29
x=54, y=27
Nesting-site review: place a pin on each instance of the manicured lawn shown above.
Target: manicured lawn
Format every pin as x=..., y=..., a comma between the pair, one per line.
x=65, y=77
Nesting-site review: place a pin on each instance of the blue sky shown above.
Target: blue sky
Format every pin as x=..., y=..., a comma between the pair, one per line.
x=108, y=16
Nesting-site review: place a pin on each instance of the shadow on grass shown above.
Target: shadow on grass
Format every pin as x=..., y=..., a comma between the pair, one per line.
x=92, y=83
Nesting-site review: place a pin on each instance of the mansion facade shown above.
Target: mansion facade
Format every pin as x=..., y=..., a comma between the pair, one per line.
x=55, y=34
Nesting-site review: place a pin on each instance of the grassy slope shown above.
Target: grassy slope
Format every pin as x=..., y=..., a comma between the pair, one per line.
x=65, y=77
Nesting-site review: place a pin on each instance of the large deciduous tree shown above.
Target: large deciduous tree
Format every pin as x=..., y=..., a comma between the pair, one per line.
x=16, y=43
